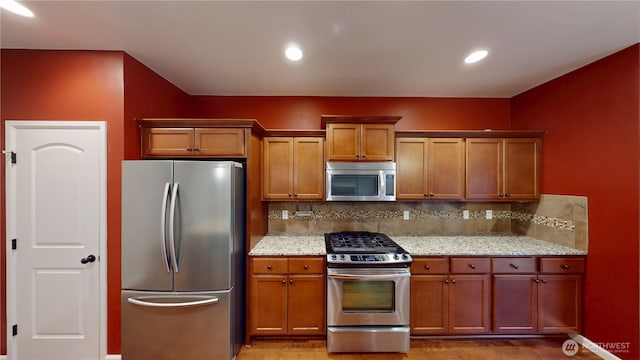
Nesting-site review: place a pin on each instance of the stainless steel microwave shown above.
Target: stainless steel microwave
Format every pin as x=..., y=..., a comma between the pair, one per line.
x=361, y=181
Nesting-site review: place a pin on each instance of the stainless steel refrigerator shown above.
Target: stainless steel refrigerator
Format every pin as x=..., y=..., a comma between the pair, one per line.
x=182, y=259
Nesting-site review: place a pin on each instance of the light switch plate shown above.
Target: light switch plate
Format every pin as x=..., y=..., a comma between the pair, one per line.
x=489, y=214
x=405, y=215
x=285, y=214
x=465, y=214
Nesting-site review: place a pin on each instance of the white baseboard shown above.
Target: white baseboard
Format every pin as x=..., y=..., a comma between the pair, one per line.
x=593, y=347
x=111, y=357
x=3, y=357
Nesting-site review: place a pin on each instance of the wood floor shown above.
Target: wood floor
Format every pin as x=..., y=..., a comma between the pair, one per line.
x=501, y=349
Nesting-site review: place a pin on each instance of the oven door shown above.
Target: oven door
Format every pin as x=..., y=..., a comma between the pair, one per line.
x=368, y=296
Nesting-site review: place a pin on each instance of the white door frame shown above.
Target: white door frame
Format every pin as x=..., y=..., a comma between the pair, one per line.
x=10, y=127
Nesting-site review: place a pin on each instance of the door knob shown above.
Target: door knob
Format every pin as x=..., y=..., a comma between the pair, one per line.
x=88, y=259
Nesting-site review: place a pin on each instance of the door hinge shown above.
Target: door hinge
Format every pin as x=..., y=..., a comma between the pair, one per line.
x=14, y=244
x=14, y=156
x=14, y=330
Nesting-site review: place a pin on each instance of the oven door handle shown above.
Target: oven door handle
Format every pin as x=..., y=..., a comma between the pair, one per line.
x=365, y=277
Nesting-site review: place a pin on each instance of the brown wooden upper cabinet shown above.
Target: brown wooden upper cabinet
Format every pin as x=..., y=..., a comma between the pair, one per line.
x=430, y=168
x=222, y=142
x=360, y=138
x=503, y=168
x=293, y=168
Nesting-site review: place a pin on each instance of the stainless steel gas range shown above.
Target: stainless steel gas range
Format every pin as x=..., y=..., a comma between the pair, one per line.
x=368, y=282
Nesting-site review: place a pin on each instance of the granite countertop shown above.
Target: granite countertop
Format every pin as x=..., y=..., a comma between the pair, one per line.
x=272, y=245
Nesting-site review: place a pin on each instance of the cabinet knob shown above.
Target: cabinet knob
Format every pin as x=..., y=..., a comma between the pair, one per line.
x=565, y=266
x=290, y=281
x=446, y=281
x=290, y=195
x=363, y=156
x=536, y=281
x=472, y=266
x=453, y=281
x=427, y=267
x=196, y=149
x=269, y=267
x=432, y=194
x=501, y=195
x=507, y=194
x=284, y=281
x=544, y=281
x=189, y=149
x=306, y=266
x=514, y=266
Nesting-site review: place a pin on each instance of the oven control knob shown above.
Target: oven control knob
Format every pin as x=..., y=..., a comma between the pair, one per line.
x=341, y=256
x=395, y=256
x=333, y=257
x=404, y=257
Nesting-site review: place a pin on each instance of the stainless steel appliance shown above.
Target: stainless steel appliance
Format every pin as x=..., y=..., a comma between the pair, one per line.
x=361, y=181
x=182, y=259
x=368, y=288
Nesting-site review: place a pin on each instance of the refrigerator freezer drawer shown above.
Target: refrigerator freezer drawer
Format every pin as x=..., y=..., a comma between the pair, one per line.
x=186, y=326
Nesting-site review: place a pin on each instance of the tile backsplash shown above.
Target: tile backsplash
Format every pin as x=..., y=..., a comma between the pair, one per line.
x=555, y=218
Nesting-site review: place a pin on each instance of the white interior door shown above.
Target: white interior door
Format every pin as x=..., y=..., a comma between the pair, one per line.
x=56, y=212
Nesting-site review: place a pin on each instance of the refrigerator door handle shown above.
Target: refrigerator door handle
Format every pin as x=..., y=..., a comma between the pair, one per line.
x=141, y=301
x=172, y=222
x=163, y=225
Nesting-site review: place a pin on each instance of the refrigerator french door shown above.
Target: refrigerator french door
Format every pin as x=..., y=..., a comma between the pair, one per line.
x=182, y=259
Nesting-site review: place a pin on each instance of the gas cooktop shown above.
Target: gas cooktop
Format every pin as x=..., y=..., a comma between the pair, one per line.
x=363, y=247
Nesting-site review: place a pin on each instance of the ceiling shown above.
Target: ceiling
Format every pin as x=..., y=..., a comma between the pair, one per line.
x=351, y=48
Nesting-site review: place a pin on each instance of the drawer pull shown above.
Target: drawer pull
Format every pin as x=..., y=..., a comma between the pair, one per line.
x=427, y=267
x=269, y=267
x=514, y=266
x=472, y=266
x=565, y=266
x=306, y=266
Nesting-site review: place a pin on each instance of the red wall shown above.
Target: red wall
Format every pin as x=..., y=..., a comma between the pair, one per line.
x=593, y=149
x=65, y=85
x=282, y=112
x=87, y=85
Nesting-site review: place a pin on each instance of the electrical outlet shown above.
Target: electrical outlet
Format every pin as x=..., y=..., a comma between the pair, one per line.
x=285, y=214
x=465, y=214
x=489, y=214
x=405, y=215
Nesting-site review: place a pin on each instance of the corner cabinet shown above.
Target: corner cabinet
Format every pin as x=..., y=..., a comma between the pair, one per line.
x=287, y=296
x=503, y=169
x=430, y=168
x=293, y=168
x=360, y=138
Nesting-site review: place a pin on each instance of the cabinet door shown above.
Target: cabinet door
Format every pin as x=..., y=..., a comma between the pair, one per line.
x=411, y=168
x=268, y=299
x=515, y=303
x=220, y=142
x=484, y=169
x=469, y=304
x=277, y=183
x=377, y=142
x=559, y=304
x=446, y=169
x=308, y=168
x=343, y=142
x=429, y=304
x=522, y=169
x=306, y=301
x=167, y=142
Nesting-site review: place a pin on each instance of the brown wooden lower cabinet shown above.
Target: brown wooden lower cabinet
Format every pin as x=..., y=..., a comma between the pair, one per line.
x=287, y=296
x=448, y=303
x=515, y=297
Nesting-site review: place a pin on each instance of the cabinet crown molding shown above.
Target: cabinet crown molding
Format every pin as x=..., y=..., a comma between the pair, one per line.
x=360, y=119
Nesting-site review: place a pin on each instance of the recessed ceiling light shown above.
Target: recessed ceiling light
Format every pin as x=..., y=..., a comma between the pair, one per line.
x=476, y=56
x=16, y=8
x=293, y=53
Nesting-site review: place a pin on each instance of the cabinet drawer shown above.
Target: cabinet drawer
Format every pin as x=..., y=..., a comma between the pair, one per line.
x=562, y=265
x=270, y=265
x=430, y=266
x=515, y=265
x=311, y=265
x=470, y=265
